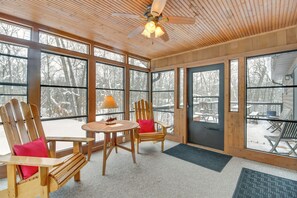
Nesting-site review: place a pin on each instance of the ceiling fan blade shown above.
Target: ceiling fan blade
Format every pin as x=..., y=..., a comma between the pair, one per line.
x=179, y=20
x=136, y=31
x=157, y=7
x=126, y=15
x=165, y=36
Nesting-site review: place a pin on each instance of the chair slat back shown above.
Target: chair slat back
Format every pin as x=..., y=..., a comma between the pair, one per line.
x=290, y=130
x=143, y=110
x=21, y=123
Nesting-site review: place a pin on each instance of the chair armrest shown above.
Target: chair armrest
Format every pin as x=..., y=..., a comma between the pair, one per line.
x=162, y=124
x=31, y=161
x=69, y=139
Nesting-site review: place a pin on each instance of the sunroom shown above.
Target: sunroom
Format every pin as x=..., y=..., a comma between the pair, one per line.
x=152, y=98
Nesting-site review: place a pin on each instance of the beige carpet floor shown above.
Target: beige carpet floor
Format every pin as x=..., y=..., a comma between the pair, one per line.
x=158, y=175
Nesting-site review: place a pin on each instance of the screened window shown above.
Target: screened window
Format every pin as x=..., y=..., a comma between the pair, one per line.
x=138, y=62
x=271, y=102
x=138, y=89
x=14, y=30
x=57, y=41
x=63, y=96
x=180, y=88
x=109, y=81
x=13, y=80
x=163, y=97
x=234, y=85
x=102, y=53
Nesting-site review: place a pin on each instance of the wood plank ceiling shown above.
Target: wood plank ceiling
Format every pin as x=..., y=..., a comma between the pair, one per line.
x=217, y=21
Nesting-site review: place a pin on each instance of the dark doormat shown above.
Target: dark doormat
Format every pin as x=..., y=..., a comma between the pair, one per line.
x=257, y=184
x=207, y=159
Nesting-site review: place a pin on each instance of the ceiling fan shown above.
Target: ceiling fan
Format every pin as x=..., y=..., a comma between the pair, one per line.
x=154, y=20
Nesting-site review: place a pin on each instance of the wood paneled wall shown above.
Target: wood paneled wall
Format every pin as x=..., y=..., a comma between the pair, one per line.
x=272, y=42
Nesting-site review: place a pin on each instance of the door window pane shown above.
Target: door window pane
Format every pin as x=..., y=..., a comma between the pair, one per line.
x=206, y=90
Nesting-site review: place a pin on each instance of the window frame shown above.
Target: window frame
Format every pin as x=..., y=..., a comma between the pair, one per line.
x=162, y=91
x=246, y=118
x=138, y=91
x=20, y=25
x=94, y=48
x=64, y=37
x=17, y=84
x=140, y=59
x=68, y=87
x=230, y=81
x=112, y=89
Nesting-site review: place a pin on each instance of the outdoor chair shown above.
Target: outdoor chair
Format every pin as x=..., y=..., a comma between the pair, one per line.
x=23, y=129
x=275, y=125
x=144, y=111
x=288, y=134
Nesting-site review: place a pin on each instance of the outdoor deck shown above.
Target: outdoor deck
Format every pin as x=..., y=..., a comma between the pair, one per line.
x=256, y=140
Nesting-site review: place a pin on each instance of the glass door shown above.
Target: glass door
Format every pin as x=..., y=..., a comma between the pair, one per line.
x=206, y=106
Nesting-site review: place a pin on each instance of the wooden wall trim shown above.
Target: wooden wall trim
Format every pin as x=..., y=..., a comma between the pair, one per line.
x=228, y=42
x=276, y=41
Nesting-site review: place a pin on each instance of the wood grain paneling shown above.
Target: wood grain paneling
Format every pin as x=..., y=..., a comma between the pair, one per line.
x=217, y=21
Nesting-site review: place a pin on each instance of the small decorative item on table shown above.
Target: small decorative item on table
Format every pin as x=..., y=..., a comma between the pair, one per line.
x=109, y=103
x=110, y=121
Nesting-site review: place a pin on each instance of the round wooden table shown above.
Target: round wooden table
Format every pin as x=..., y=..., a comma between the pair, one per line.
x=121, y=125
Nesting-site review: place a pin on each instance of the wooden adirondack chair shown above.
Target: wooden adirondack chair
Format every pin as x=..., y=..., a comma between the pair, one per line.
x=144, y=111
x=22, y=125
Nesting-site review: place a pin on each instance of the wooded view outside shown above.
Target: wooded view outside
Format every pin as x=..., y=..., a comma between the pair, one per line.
x=13, y=72
x=57, y=41
x=163, y=97
x=138, y=62
x=102, y=53
x=206, y=96
x=271, y=95
x=14, y=30
x=63, y=86
x=139, y=89
x=234, y=85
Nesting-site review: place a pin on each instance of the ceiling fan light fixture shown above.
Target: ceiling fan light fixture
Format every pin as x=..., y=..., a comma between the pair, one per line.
x=146, y=33
x=158, y=32
x=150, y=26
